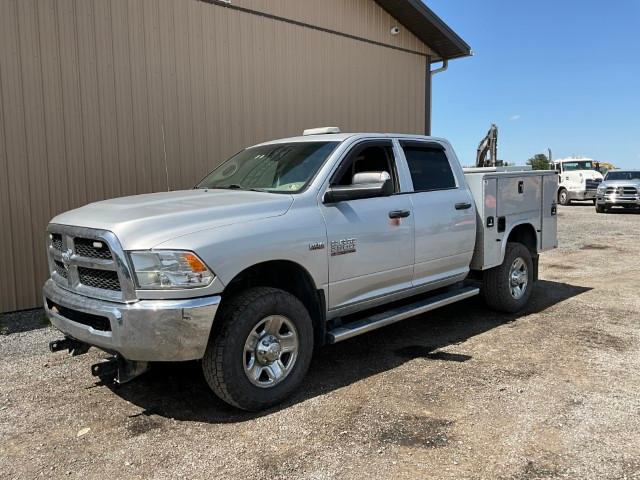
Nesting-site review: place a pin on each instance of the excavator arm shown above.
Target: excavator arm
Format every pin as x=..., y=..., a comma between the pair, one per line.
x=487, y=155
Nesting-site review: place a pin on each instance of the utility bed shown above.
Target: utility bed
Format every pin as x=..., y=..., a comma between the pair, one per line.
x=506, y=197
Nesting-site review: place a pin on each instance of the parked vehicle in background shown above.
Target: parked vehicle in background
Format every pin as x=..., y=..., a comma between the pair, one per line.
x=287, y=246
x=578, y=179
x=620, y=188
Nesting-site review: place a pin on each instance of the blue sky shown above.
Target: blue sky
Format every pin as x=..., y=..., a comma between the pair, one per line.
x=562, y=74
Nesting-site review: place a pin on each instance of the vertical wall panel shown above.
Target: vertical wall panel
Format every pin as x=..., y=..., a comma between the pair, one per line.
x=89, y=99
x=16, y=152
x=7, y=278
x=38, y=191
x=86, y=87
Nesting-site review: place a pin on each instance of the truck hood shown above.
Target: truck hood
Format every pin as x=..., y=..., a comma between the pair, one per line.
x=621, y=183
x=144, y=221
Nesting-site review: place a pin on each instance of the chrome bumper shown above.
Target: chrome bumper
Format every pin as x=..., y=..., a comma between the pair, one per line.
x=618, y=200
x=147, y=330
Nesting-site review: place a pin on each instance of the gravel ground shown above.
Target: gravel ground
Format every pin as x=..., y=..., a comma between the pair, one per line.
x=459, y=393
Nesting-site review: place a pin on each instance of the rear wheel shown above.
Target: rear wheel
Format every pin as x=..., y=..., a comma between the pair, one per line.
x=563, y=197
x=262, y=351
x=507, y=288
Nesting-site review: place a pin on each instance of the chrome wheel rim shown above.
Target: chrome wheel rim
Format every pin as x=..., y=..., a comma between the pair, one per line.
x=518, y=278
x=270, y=351
x=563, y=197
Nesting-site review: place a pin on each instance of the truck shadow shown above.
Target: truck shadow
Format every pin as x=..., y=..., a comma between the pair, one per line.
x=179, y=390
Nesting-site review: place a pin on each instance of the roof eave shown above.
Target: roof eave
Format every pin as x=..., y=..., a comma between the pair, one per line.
x=428, y=27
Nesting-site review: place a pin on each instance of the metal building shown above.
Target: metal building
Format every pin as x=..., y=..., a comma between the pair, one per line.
x=103, y=98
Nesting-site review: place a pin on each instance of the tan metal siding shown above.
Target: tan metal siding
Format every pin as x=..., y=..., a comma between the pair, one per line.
x=362, y=18
x=87, y=86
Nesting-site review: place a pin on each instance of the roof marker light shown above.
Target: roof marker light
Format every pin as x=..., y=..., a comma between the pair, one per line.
x=321, y=131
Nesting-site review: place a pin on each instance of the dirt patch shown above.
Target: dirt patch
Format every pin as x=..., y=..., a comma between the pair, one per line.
x=536, y=471
x=417, y=431
x=563, y=267
x=141, y=424
x=595, y=338
x=594, y=246
x=23, y=321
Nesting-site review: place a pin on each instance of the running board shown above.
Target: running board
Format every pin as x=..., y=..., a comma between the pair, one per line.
x=397, y=314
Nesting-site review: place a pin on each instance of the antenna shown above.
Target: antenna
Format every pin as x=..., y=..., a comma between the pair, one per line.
x=164, y=148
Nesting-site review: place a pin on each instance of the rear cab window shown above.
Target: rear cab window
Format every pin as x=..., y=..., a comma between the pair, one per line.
x=429, y=166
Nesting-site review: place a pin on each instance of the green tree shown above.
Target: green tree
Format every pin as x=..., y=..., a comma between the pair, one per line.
x=539, y=162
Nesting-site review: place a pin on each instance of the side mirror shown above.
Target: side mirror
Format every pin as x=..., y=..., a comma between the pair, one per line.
x=365, y=185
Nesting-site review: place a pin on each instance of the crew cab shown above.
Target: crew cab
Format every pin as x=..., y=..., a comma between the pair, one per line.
x=620, y=188
x=290, y=245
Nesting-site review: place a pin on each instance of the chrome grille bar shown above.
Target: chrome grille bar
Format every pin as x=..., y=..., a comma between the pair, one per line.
x=97, y=271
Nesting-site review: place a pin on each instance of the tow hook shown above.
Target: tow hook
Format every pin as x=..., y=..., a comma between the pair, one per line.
x=74, y=347
x=118, y=370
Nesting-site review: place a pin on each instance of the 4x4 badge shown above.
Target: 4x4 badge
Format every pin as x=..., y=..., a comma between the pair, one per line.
x=316, y=246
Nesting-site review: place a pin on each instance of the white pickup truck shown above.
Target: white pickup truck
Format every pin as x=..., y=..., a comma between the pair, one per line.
x=287, y=246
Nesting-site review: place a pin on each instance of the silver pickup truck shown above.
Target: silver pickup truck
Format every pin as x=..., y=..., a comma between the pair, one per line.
x=289, y=245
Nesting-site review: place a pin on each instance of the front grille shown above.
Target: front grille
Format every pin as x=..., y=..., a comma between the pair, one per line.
x=61, y=269
x=89, y=262
x=85, y=247
x=591, y=184
x=632, y=191
x=56, y=241
x=96, y=322
x=105, y=279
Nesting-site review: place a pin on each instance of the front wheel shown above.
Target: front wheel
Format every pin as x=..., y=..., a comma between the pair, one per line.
x=600, y=209
x=507, y=288
x=262, y=351
x=563, y=197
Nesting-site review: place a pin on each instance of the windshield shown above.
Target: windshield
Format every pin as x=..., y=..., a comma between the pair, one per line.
x=278, y=168
x=623, y=175
x=583, y=165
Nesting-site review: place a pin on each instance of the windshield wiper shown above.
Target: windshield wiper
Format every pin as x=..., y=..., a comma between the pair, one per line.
x=235, y=186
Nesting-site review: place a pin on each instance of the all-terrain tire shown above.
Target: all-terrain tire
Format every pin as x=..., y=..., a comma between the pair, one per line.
x=497, y=287
x=223, y=360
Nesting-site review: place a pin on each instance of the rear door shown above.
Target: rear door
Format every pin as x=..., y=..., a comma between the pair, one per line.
x=444, y=214
x=370, y=254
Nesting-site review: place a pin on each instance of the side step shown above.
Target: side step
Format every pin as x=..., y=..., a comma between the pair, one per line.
x=397, y=314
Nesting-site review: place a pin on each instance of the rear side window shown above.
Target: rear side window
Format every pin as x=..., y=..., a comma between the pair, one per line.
x=429, y=167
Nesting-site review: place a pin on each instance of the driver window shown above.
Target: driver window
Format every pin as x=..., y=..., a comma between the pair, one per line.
x=371, y=157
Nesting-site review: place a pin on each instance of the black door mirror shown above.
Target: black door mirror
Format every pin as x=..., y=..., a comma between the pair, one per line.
x=365, y=185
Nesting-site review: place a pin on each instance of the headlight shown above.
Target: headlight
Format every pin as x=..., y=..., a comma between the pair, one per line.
x=162, y=269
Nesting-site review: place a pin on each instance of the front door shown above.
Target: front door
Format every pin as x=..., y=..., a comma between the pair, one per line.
x=370, y=253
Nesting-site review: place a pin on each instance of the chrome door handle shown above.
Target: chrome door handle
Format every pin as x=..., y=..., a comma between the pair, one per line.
x=399, y=213
x=463, y=206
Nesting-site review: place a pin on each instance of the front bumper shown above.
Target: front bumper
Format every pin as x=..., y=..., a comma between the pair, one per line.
x=147, y=330
x=582, y=194
x=615, y=199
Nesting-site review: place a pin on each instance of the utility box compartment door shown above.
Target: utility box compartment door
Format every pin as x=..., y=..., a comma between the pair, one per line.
x=518, y=194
